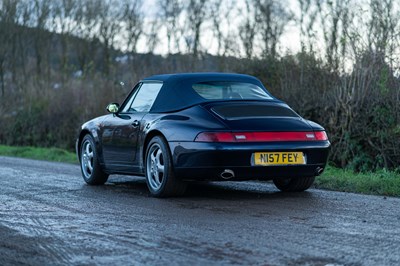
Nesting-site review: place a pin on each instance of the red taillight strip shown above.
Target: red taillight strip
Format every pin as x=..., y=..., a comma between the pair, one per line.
x=261, y=136
x=321, y=135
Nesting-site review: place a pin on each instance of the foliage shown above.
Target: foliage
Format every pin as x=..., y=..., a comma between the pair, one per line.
x=381, y=182
x=360, y=110
x=47, y=154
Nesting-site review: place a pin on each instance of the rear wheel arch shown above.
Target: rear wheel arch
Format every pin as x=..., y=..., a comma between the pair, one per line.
x=160, y=176
x=147, y=140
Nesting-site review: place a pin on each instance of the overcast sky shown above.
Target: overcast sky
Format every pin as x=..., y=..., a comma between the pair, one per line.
x=290, y=41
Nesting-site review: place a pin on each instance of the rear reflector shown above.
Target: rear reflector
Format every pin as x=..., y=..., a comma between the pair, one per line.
x=260, y=136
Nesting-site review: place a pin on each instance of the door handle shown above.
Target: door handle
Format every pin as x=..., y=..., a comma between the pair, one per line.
x=135, y=123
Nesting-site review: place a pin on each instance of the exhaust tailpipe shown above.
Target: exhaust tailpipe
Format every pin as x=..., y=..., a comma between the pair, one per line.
x=319, y=171
x=227, y=174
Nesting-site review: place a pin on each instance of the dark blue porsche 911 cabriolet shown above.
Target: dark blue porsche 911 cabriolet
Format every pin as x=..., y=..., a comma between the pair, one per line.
x=178, y=128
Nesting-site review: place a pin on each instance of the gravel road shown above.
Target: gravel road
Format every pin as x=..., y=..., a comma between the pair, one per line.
x=48, y=216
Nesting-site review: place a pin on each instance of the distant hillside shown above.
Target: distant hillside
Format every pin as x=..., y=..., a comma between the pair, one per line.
x=83, y=55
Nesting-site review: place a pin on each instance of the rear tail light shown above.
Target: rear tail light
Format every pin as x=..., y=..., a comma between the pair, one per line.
x=321, y=135
x=215, y=137
x=260, y=136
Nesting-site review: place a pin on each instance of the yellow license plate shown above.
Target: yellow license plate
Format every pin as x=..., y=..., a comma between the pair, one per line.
x=278, y=158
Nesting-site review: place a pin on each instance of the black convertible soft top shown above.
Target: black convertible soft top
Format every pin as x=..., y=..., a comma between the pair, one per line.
x=177, y=92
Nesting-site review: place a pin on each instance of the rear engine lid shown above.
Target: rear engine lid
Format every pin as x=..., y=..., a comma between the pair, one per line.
x=258, y=116
x=238, y=111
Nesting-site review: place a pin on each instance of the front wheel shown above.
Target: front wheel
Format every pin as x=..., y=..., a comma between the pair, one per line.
x=294, y=184
x=160, y=177
x=90, y=167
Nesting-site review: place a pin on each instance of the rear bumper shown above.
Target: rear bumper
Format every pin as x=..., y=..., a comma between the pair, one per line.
x=206, y=161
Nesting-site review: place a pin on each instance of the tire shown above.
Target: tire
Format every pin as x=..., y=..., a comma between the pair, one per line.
x=160, y=177
x=90, y=167
x=294, y=184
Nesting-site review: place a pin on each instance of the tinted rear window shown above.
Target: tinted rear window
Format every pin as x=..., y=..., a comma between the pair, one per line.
x=230, y=90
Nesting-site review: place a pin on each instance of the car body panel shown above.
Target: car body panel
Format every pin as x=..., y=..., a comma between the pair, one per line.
x=121, y=138
x=191, y=159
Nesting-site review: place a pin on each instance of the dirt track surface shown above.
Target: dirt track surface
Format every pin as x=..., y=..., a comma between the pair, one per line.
x=48, y=216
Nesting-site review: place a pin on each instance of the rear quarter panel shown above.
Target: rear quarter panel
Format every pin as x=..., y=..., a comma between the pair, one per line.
x=183, y=125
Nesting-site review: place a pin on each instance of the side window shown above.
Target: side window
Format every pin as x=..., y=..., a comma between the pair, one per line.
x=145, y=97
x=128, y=102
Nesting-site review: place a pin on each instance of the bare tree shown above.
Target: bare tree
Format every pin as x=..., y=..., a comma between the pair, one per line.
x=87, y=21
x=153, y=36
x=272, y=18
x=308, y=18
x=334, y=20
x=221, y=16
x=110, y=15
x=197, y=11
x=217, y=18
x=248, y=29
x=170, y=12
x=8, y=11
x=41, y=11
x=23, y=44
x=383, y=28
x=65, y=13
x=133, y=23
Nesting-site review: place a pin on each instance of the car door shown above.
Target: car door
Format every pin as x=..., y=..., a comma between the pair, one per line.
x=121, y=131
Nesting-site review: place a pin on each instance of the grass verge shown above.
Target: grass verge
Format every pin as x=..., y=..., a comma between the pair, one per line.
x=381, y=182
x=47, y=154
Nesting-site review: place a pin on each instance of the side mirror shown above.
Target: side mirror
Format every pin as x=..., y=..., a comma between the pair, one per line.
x=113, y=108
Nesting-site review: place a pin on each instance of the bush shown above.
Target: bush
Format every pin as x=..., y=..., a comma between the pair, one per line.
x=360, y=110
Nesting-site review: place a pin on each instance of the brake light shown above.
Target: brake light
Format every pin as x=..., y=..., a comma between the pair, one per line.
x=215, y=137
x=260, y=136
x=321, y=135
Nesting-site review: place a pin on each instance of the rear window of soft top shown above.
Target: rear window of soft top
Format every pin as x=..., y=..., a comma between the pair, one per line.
x=230, y=90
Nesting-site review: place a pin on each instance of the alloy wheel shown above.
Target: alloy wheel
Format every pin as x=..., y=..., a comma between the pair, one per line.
x=155, y=166
x=87, y=159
